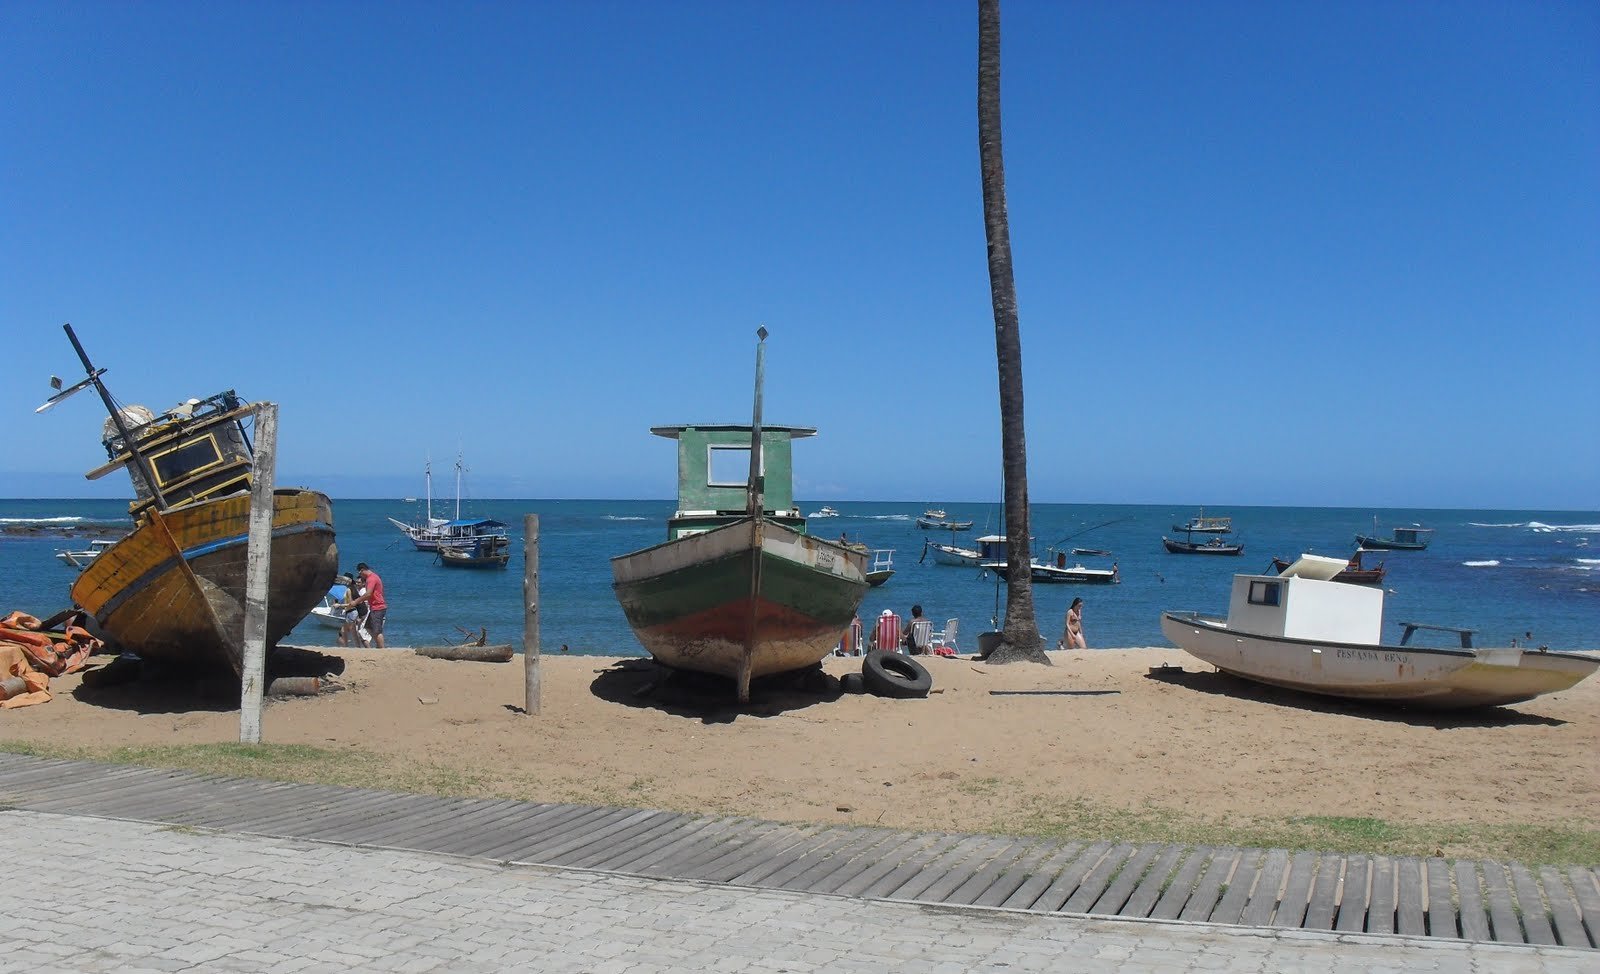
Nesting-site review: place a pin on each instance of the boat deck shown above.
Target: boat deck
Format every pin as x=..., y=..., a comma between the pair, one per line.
x=1429, y=897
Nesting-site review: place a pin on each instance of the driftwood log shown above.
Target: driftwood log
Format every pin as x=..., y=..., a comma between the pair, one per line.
x=499, y=653
x=294, y=686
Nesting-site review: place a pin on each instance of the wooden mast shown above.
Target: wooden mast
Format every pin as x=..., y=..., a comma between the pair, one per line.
x=755, y=502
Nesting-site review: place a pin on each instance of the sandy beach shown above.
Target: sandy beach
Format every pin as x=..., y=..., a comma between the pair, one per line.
x=994, y=747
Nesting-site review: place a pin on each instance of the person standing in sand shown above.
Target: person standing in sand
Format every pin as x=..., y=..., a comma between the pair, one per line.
x=372, y=598
x=1072, y=636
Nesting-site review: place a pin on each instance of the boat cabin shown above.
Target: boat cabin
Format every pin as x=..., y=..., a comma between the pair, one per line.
x=1410, y=536
x=1303, y=602
x=196, y=451
x=714, y=475
x=992, y=547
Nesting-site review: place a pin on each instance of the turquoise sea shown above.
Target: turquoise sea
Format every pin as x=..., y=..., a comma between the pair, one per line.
x=1506, y=573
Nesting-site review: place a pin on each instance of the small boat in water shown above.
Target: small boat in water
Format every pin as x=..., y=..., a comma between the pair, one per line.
x=991, y=547
x=1354, y=574
x=1413, y=538
x=1215, y=546
x=882, y=567
x=173, y=589
x=486, y=550
x=739, y=589
x=81, y=558
x=1304, y=631
x=1056, y=571
x=934, y=519
x=825, y=512
x=1203, y=524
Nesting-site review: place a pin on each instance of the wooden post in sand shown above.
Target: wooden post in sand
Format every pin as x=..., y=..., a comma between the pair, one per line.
x=258, y=567
x=530, y=614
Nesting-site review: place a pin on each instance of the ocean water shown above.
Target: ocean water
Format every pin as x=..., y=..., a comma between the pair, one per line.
x=1506, y=573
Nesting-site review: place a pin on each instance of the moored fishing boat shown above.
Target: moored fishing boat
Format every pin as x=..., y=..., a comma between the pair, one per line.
x=739, y=589
x=1302, y=630
x=429, y=533
x=484, y=551
x=173, y=589
x=934, y=519
x=1206, y=524
x=1215, y=546
x=991, y=547
x=1413, y=538
x=1355, y=572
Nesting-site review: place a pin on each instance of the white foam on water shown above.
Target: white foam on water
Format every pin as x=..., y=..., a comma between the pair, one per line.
x=1479, y=524
x=41, y=520
x=1491, y=563
x=619, y=517
x=1547, y=528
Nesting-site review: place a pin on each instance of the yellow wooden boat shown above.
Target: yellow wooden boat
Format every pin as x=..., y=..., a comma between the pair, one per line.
x=173, y=589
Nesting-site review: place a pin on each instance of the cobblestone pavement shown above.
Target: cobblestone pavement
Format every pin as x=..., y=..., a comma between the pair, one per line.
x=88, y=894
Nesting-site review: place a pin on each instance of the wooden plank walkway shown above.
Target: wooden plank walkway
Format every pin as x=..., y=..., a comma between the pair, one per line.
x=1471, y=900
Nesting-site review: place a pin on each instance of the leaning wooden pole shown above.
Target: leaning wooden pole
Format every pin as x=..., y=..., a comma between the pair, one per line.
x=258, y=569
x=530, y=615
x=755, y=501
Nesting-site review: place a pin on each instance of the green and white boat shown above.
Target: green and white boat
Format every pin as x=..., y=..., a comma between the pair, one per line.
x=739, y=589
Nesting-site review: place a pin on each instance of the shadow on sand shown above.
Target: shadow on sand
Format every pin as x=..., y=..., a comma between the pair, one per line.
x=711, y=699
x=126, y=683
x=1226, y=685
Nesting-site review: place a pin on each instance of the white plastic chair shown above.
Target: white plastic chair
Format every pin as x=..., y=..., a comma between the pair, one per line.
x=944, y=638
x=921, y=636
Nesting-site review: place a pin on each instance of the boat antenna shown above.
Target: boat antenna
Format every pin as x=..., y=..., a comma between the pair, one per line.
x=1087, y=530
x=139, y=459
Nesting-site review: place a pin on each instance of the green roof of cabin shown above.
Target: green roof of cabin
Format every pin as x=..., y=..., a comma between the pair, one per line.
x=714, y=465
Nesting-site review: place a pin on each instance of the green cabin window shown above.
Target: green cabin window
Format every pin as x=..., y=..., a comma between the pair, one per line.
x=1264, y=593
x=727, y=466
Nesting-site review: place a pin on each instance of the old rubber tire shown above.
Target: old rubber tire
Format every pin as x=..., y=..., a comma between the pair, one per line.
x=896, y=676
x=851, y=683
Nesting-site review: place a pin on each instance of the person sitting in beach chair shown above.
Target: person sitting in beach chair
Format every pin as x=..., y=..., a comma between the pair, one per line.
x=919, y=633
x=886, y=633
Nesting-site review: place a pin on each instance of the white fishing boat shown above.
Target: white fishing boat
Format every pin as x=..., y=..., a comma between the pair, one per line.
x=882, y=567
x=825, y=512
x=84, y=557
x=1304, y=631
x=1058, y=572
x=936, y=519
x=991, y=547
x=430, y=533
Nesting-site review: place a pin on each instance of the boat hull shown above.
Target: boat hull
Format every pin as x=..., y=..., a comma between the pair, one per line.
x=944, y=554
x=929, y=524
x=1412, y=675
x=689, y=601
x=144, y=600
x=1051, y=575
x=1208, y=548
x=1389, y=544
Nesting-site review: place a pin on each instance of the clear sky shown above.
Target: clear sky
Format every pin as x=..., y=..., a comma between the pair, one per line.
x=1266, y=253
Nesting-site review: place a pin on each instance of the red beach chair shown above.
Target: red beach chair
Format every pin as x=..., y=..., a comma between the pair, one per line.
x=886, y=632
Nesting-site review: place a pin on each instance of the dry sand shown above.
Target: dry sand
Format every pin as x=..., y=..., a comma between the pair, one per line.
x=1094, y=727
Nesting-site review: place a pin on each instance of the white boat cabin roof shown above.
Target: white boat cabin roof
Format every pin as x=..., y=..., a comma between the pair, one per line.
x=1315, y=566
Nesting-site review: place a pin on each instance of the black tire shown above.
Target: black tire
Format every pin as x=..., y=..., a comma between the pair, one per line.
x=895, y=676
x=851, y=683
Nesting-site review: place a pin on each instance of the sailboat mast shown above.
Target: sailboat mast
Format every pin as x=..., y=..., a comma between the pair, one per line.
x=458, y=486
x=427, y=476
x=140, y=461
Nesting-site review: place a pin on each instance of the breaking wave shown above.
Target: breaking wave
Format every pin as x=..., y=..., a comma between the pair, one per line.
x=43, y=520
x=1539, y=526
x=1490, y=563
x=625, y=517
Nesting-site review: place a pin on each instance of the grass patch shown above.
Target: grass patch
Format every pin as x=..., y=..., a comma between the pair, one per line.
x=1080, y=819
x=1533, y=845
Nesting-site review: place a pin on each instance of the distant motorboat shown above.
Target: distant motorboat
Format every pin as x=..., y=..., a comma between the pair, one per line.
x=1411, y=538
x=1215, y=546
x=825, y=512
x=1203, y=524
x=991, y=547
x=83, y=557
x=934, y=519
x=1303, y=631
x=1058, y=572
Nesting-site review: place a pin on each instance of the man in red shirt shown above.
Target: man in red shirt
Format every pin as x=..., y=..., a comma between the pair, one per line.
x=377, y=606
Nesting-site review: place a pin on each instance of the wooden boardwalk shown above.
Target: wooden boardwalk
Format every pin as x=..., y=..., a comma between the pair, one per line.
x=1472, y=900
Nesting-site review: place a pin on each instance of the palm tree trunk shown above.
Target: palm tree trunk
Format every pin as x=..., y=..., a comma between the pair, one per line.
x=1020, y=639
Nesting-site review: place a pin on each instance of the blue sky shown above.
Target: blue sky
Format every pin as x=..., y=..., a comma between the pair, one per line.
x=1265, y=253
